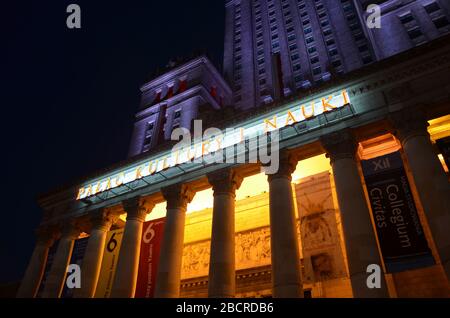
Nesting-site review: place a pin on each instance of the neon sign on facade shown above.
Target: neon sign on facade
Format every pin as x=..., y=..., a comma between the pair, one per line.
x=294, y=114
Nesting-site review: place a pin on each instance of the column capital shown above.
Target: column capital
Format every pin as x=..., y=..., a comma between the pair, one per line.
x=46, y=235
x=71, y=230
x=288, y=164
x=340, y=145
x=225, y=181
x=178, y=196
x=409, y=123
x=137, y=208
x=102, y=220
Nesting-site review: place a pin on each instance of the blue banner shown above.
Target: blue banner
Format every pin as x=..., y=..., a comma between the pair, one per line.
x=400, y=233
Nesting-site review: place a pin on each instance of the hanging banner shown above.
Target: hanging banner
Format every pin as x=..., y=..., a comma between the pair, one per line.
x=78, y=251
x=148, y=260
x=109, y=263
x=48, y=266
x=400, y=233
x=444, y=147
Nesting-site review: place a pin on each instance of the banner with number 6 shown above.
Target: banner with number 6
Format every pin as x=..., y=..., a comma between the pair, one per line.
x=149, y=258
x=109, y=263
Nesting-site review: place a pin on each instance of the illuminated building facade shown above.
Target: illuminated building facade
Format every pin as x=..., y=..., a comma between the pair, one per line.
x=305, y=43
x=408, y=24
x=363, y=179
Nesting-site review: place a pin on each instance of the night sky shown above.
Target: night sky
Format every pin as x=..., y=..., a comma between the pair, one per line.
x=69, y=97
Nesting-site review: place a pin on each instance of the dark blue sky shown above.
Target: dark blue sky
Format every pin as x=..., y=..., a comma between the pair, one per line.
x=68, y=97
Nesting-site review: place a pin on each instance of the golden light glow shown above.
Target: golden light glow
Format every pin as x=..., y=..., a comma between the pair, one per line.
x=441, y=158
x=83, y=235
x=439, y=128
x=202, y=200
x=311, y=166
x=379, y=146
x=159, y=211
x=251, y=186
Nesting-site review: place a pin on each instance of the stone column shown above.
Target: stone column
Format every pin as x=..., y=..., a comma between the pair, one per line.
x=222, y=275
x=56, y=278
x=32, y=279
x=124, y=285
x=286, y=276
x=429, y=177
x=169, y=267
x=101, y=222
x=360, y=240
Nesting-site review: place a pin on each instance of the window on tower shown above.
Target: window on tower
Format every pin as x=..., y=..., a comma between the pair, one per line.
x=432, y=7
x=314, y=60
x=333, y=52
x=336, y=63
x=327, y=32
x=150, y=127
x=415, y=33
x=406, y=18
x=317, y=70
x=359, y=36
x=441, y=22
x=363, y=48
x=147, y=141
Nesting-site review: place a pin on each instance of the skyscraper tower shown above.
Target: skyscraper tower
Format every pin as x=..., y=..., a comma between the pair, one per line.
x=289, y=45
x=406, y=24
x=273, y=48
